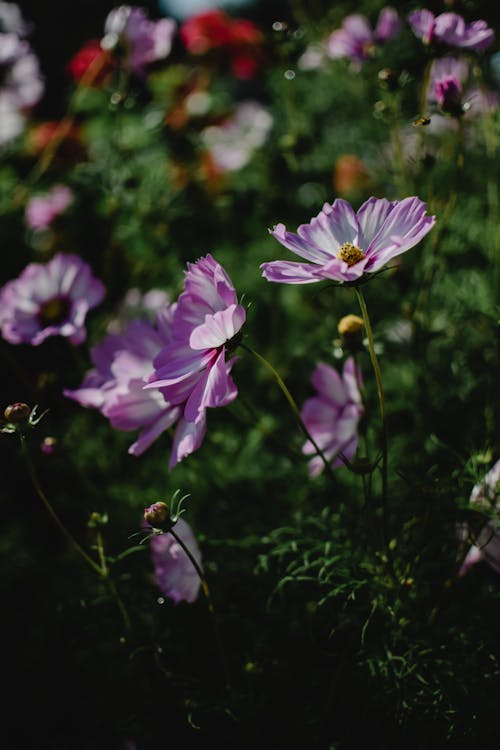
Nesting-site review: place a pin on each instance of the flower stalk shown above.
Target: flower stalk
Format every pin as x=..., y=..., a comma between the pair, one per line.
x=383, y=418
x=210, y=604
x=292, y=404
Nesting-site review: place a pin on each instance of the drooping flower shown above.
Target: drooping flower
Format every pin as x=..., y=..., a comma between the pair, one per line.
x=41, y=210
x=485, y=497
x=232, y=143
x=115, y=386
x=238, y=38
x=50, y=299
x=192, y=369
x=446, y=83
x=332, y=416
x=450, y=29
x=139, y=40
x=357, y=41
x=174, y=573
x=342, y=245
x=450, y=88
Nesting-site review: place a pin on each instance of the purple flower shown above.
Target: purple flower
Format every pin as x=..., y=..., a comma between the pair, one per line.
x=174, y=572
x=357, y=41
x=140, y=40
x=50, y=299
x=192, y=370
x=485, y=497
x=333, y=415
x=115, y=386
x=341, y=245
x=41, y=210
x=450, y=29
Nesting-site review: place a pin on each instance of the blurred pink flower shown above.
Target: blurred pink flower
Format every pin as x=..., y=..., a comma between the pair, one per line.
x=174, y=572
x=140, y=40
x=357, y=41
x=115, y=386
x=50, y=299
x=450, y=29
x=41, y=210
x=485, y=497
x=332, y=416
x=232, y=144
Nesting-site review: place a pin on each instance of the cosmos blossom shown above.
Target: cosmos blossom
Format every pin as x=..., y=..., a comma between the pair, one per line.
x=450, y=29
x=357, y=41
x=485, y=497
x=49, y=299
x=192, y=370
x=332, y=416
x=115, y=385
x=174, y=573
x=41, y=210
x=137, y=38
x=343, y=246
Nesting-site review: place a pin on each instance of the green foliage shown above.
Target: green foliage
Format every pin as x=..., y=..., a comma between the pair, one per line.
x=341, y=617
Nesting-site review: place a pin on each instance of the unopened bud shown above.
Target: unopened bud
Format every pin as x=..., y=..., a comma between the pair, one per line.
x=157, y=515
x=350, y=328
x=97, y=519
x=48, y=445
x=17, y=413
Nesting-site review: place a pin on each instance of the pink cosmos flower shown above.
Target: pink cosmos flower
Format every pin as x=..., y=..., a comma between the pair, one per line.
x=357, y=41
x=174, y=572
x=115, y=386
x=192, y=370
x=332, y=416
x=342, y=246
x=21, y=85
x=450, y=29
x=50, y=299
x=447, y=78
x=21, y=76
x=233, y=143
x=41, y=210
x=140, y=40
x=485, y=496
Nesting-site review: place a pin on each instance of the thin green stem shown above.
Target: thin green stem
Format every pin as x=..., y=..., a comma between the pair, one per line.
x=292, y=405
x=211, y=608
x=102, y=568
x=62, y=528
x=380, y=392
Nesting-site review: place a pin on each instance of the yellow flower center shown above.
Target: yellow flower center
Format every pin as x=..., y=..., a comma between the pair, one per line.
x=350, y=253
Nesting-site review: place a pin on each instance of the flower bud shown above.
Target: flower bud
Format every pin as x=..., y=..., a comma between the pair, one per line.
x=97, y=520
x=17, y=413
x=48, y=445
x=157, y=515
x=350, y=328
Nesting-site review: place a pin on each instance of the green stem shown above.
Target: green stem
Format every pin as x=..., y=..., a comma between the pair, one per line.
x=101, y=569
x=211, y=608
x=62, y=528
x=380, y=392
x=292, y=405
